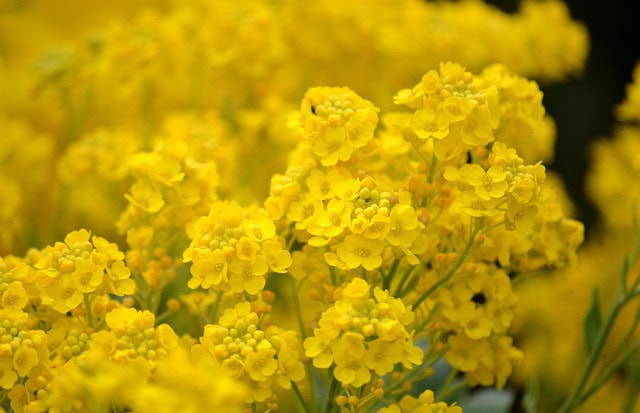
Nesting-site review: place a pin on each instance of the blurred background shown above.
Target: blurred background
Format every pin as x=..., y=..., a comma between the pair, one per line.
x=582, y=106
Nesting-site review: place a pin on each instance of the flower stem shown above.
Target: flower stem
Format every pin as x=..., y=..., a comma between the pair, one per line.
x=213, y=313
x=386, y=281
x=298, y=310
x=574, y=399
x=305, y=409
x=452, y=270
x=87, y=305
x=622, y=298
x=331, y=395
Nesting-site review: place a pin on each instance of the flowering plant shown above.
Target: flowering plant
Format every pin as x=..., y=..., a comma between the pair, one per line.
x=195, y=225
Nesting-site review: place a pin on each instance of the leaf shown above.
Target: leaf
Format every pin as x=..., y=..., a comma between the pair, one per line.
x=592, y=323
x=531, y=395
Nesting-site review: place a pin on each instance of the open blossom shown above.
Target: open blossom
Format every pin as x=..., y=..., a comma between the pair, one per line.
x=82, y=265
x=260, y=358
x=233, y=249
x=258, y=257
x=337, y=122
x=361, y=334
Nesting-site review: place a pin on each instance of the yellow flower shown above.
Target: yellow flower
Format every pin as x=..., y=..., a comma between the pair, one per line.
x=320, y=185
x=319, y=349
x=24, y=359
x=247, y=249
x=425, y=403
x=259, y=228
x=523, y=217
x=304, y=210
x=361, y=334
x=356, y=251
x=351, y=369
x=487, y=184
x=232, y=315
x=430, y=123
x=248, y=276
x=356, y=291
x=14, y=296
x=144, y=196
x=337, y=122
x=279, y=259
x=8, y=375
x=253, y=356
x=333, y=147
x=208, y=271
x=404, y=226
x=67, y=271
x=22, y=349
x=119, y=280
x=261, y=364
x=382, y=355
x=486, y=361
x=329, y=222
x=475, y=206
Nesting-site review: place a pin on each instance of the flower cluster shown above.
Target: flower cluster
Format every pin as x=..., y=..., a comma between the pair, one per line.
x=425, y=403
x=133, y=337
x=233, y=249
x=92, y=382
x=506, y=183
x=23, y=348
x=544, y=306
x=171, y=190
x=361, y=334
x=629, y=110
x=69, y=270
x=336, y=122
x=260, y=358
x=395, y=232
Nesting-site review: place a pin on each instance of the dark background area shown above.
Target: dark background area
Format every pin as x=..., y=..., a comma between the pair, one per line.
x=583, y=105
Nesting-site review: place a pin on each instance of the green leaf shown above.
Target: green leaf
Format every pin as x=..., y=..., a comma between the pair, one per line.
x=531, y=395
x=592, y=323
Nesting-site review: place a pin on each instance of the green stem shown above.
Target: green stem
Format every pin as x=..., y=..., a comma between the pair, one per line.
x=3, y=396
x=432, y=168
x=452, y=270
x=292, y=239
x=156, y=298
x=427, y=320
x=298, y=310
x=386, y=281
x=575, y=397
x=300, y=398
x=161, y=317
x=424, y=158
x=630, y=400
x=213, y=313
x=87, y=305
x=624, y=342
x=635, y=251
x=610, y=371
x=312, y=389
x=407, y=276
x=445, y=387
x=484, y=231
x=622, y=298
x=408, y=376
x=331, y=395
x=332, y=274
